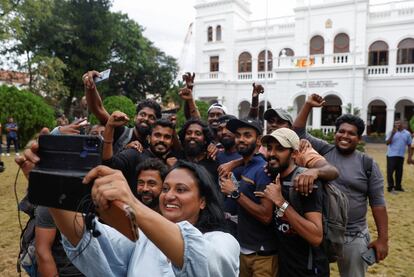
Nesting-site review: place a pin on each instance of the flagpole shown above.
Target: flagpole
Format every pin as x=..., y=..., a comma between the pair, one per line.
x=266, y=62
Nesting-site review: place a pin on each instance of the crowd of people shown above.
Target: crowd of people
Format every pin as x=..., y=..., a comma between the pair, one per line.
x=218, y=198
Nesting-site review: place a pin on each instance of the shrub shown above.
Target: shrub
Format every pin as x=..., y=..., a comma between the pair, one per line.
x=117, y=103
x=30, y=112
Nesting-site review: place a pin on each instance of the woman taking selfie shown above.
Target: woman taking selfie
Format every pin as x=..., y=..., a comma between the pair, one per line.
x=185, y=240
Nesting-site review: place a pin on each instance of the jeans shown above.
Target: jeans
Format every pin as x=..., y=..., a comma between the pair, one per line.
x=351, y=264
x=16, y=145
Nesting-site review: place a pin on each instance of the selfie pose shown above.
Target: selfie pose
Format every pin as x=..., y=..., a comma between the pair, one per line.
x=182, y=241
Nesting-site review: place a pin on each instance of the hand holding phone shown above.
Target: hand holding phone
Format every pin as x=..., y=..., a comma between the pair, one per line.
x=369, y=256
x=102, y=76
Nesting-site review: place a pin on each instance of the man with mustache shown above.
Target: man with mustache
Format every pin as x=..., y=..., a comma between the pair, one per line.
x=195, y=136
x=147, y=112
x=150, y=176
x=360, y=179
x=256, y=236
x=298, y=228
x=160, y=147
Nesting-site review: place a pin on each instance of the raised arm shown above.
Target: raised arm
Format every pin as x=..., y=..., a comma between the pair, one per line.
x=313, y=100
x=93, y=98
x=254, y=108
x=117, y=119
x=186, y=93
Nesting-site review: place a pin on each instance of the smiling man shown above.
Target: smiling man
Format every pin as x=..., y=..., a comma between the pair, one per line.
x=360, y=179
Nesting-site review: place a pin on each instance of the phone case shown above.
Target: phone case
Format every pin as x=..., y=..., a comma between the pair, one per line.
x=369, y=256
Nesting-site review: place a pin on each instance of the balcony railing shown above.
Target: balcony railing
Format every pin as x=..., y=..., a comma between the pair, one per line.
x=217, y=76
x=245, y=76
x=262, y=75
x=377, y=70
x=404, y=69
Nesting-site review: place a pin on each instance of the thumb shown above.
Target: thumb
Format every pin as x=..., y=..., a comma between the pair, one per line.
x=277, y=180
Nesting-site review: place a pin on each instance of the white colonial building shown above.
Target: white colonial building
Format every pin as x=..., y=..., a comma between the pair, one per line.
x=359, y=56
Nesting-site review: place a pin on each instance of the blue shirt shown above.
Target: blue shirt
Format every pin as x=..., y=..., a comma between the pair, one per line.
x=113, y=255
x=11, y=134
x=253, y=234
x=399, y=142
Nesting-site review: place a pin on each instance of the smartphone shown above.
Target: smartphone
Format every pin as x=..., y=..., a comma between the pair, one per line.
x=103, y=76
x=56, y=181
x=369, y=256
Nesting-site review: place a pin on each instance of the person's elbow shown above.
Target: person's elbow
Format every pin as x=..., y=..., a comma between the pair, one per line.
x=266, y=218
x=316, y=240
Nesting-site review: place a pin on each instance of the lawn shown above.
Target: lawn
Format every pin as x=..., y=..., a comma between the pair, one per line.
x=400, y=261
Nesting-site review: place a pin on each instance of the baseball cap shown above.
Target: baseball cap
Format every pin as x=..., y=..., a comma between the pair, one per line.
x=285, y=136
x=225, y=118
x=283, y=114
x=234, y=124
x=217, y=106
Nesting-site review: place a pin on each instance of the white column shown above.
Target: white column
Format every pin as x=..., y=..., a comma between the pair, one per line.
x=316, y=118
x=390, y=120
x=364, y=117
x=392, y=61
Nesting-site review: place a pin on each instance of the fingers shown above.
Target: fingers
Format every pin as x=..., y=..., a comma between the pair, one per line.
x=277, y=180
x=99, y=171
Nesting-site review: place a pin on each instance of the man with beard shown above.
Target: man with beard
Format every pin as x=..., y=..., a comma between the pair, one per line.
x=160, y=146
x=360, y=179
x=256, y=236
x=299, y=226
x=147, y=112
x=151, y=173
x=195, y=136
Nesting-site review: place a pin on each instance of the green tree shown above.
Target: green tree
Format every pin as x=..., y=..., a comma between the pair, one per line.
x=30, y=111
x=202, y=107
x=117, y=103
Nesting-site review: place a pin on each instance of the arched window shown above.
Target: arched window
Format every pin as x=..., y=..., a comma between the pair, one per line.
x=218, y=33
x=262, y=61
x=317, y=45
x=286, y=52
x=245, y=62
x=378, y=53
x=405, y=54
x=210, y=33
x=341, y=43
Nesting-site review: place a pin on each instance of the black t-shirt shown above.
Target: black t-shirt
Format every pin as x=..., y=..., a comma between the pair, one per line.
x=293, y=249
x=45, y=220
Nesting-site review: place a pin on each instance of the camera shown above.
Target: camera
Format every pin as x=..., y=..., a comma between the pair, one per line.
x=56, y=181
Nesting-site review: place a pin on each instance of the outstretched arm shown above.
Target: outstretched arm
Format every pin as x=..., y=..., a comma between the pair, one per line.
x=186, y=93
x=313, y=100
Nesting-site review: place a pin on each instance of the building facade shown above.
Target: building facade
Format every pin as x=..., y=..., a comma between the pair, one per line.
x=359, y=56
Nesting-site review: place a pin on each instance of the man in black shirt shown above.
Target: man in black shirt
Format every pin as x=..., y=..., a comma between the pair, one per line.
x=195, y=136
x=298, y=221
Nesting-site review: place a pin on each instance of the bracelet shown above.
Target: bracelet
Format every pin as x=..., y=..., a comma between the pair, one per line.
x=108, y=141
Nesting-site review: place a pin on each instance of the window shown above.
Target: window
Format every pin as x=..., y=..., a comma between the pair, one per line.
x=378, y=53
x=210, y=33
x=317, y=45
x=262, y=61
x=405, y=54
x=341, y=43
x=214, y=64
x=245, y=62
x=218, y=33
x=287, y=52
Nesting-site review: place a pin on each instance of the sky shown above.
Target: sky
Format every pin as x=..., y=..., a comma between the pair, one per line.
x=166, y=21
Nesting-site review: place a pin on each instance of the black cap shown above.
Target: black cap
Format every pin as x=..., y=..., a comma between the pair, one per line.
x=225, y=118
x=283, y=114
x=235, y=124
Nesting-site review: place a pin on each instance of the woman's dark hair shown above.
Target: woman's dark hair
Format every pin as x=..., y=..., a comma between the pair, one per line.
x=148, y=103
x=208, y=136
x=351, y=119
x=211, y=218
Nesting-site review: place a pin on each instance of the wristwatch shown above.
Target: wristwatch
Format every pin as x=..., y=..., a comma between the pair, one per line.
x=235, y=194
x=281, y=211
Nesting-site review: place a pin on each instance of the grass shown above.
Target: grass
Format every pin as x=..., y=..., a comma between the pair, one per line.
x=400, y=212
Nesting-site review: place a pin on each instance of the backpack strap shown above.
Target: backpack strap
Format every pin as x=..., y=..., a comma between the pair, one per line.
x=367, y=162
